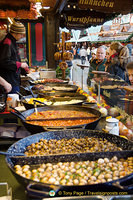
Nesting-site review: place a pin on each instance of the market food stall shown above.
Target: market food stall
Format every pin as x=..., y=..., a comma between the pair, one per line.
x=68, y=153
x=99, y=138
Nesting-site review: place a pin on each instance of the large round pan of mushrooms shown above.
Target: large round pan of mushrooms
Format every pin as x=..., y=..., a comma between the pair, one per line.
x=72, y=160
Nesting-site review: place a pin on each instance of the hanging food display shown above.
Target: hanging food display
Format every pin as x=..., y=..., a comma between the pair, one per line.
x=67, y=55
x=63, y=65
x=68, y=45
x=63, y=55
x=57, y=56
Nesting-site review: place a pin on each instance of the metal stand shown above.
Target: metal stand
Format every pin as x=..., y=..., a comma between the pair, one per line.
x=99, y=92
x=99, y=77
x=82, y=76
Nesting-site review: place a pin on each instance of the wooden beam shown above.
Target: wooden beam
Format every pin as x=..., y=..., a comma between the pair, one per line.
x=14, y=4
x=62, y=4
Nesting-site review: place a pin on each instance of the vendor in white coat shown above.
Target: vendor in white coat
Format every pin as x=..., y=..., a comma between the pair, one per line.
x=83, y=54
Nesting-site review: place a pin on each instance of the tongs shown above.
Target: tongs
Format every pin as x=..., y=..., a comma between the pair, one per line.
x=22, y=96
x=37, y=101
x=29, y=88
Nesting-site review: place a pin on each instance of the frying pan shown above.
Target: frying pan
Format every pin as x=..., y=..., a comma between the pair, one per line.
x=69, y=88
x=37, y=129
x=20, y=146
x=56, y=94
x=43, y=189
x=53, y=99
x=38, y=81
x=25, y=103
x=30, y=90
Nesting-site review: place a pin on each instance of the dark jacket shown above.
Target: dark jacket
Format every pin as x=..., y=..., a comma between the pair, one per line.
x=114, y=67
x=96, y=66
x=10, y=60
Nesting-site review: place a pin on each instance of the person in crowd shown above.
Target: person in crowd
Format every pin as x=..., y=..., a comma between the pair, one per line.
x=129, y=69
x=97, y=64
x=10, y=62
x=108, y=58
x=93, y=55
x=74, y=52
x=7, y=86
x=107, y=54
x=129, y=104
x=130, y=47
x=78, y=50
x=119, y=56
x=88, y=53
x=83, y=54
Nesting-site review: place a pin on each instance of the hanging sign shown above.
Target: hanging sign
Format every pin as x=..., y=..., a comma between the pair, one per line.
x=86, y=18
x=107, y=6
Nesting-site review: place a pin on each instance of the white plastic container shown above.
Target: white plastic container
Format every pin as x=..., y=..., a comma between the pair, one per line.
x=112, y=126
x=14, y=99
x=47, y=74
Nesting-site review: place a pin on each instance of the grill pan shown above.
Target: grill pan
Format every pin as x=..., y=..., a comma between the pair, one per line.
x=37, y=129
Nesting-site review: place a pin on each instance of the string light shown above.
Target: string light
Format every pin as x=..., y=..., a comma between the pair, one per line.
x=46, y=7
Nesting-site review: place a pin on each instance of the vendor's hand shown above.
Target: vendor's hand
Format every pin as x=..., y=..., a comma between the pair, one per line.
x=8, y=87
x=25, y=66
